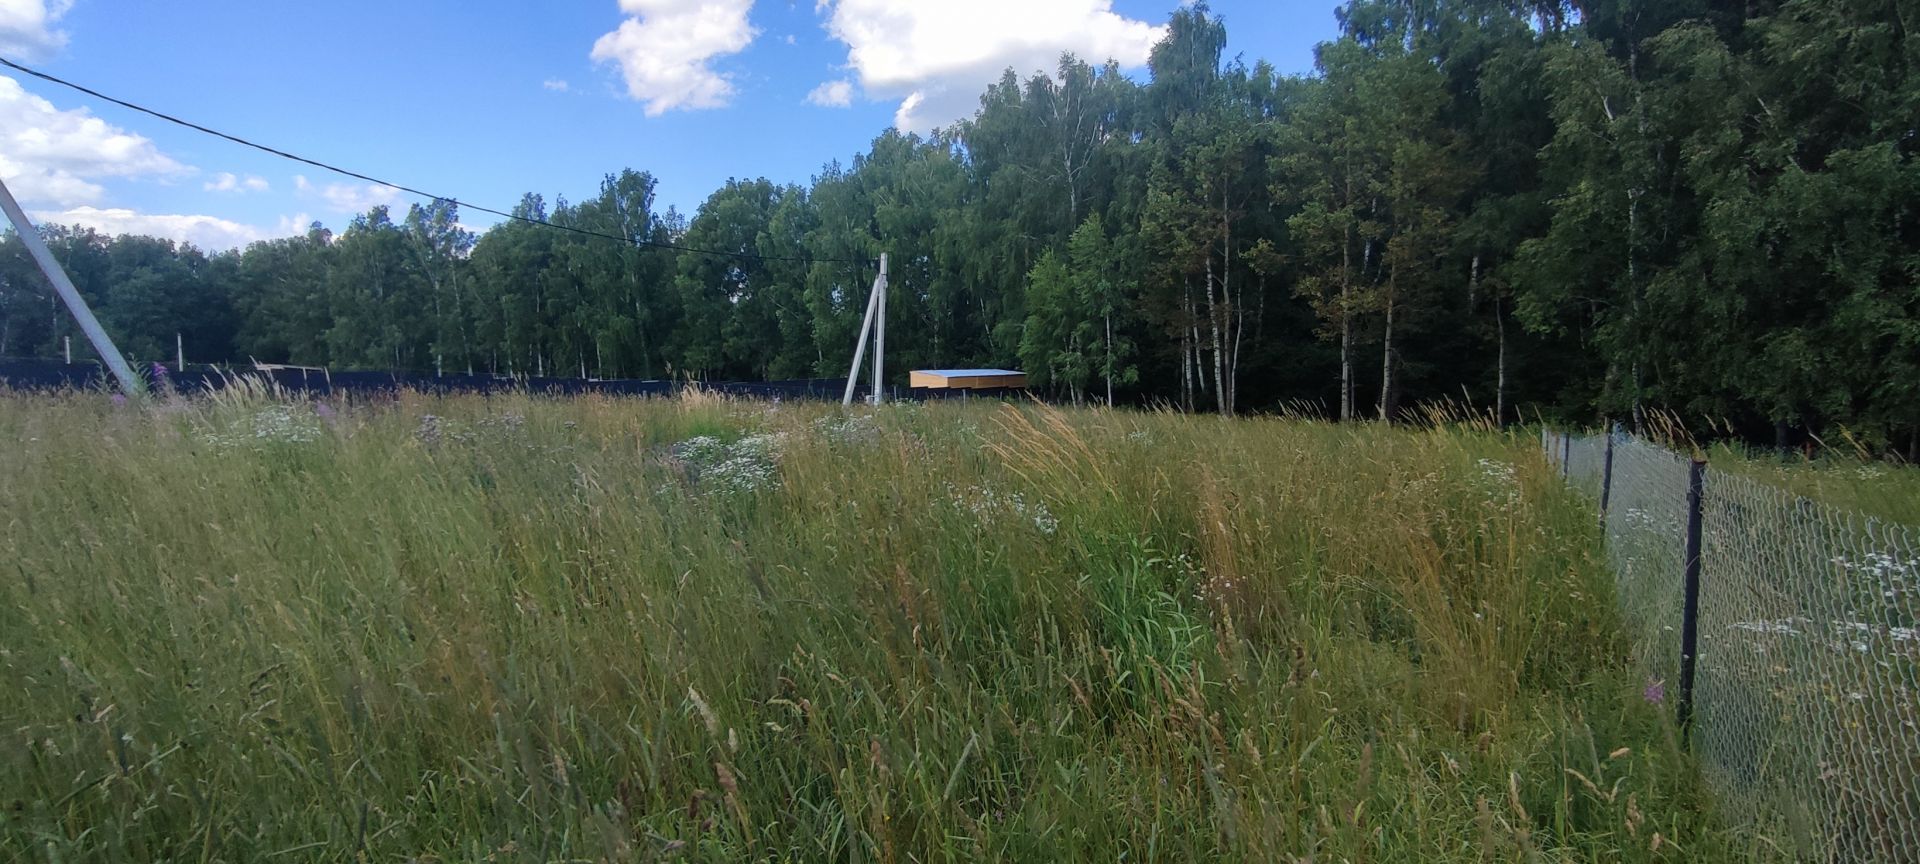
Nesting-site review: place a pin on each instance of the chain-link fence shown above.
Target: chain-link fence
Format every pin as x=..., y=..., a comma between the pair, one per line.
x=1804, y=706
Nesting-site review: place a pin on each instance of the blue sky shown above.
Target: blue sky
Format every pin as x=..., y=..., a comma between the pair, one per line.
x=487, y=99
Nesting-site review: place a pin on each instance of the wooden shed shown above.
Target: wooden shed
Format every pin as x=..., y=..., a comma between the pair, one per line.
x=966, y=379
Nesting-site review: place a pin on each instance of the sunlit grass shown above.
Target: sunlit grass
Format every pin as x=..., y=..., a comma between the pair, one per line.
x=1841, y=472
x=553, y=630
x=1870, y=487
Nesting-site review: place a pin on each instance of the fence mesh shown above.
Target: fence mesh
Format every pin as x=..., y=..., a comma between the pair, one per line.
x=1646, y=524
x=1586, y=463
x=1805, y=697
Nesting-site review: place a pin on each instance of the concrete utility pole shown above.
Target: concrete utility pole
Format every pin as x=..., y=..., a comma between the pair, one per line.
x=880, y=339
x=102, y=344
x=876, y=309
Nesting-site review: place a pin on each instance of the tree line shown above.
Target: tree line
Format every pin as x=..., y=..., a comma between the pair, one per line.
x=1581, y=207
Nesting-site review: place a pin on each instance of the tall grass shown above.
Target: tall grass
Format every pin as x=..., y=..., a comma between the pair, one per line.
x=1871, y=487
x=1843, y=472
x=596, y=629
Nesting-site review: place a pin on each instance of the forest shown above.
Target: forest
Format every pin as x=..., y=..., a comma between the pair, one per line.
x=1565, y=208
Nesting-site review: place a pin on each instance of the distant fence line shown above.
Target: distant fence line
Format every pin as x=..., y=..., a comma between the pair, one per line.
x=1785, y=632
x=54, y=375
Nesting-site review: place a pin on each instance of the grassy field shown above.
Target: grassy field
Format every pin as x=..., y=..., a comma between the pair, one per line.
x=1842, y=472
x=1870, y=487
x=513, y=629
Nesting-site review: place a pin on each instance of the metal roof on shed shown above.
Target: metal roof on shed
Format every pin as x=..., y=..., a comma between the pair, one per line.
x=967, y=373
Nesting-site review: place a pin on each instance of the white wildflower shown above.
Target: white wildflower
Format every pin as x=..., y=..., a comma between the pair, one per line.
x=852, y=430
x=989, y=505
x=273, y=424
x=746, y=465
x=1499, y=481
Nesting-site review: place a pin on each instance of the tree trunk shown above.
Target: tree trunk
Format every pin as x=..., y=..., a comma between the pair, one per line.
x=1633, y=235
x=1066, y=152
x=465, y=326
x=1199, y=365
x=1109, y=359
x=1346, y=329
x=1199, y=359
x=1633, y=288
x=1386, y=365
x=1346, y=365
x=1213, y=325
x=1073, y=193
x=1366, y=263
x=1186, y=354
x=1240, y=336
x=1186, y=374
x=1229, y=379
x=640, y=333
x=1500, y=388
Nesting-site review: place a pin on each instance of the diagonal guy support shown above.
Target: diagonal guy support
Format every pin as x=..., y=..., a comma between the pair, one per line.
x=876, y=315
x=102, y=344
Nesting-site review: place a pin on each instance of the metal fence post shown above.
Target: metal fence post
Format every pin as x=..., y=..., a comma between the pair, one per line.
x=1606, y=475
x=1566, y=456
x=1690, y=611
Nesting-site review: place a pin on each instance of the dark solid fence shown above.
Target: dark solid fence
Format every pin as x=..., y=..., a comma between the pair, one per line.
x=1789, y=648
x=30, y=374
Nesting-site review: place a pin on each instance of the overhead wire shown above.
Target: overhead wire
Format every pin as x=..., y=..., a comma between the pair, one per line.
x=653, y=244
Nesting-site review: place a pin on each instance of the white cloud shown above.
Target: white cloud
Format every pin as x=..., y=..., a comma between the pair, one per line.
x=790, y=40
x=210, y=233
x=557, y=85
x=832, y=94
x=354, y=198
x=937, y=56
x=27, y=27
x=288, y=226
x=666, y=50
x=54, y=158
x=227, y=182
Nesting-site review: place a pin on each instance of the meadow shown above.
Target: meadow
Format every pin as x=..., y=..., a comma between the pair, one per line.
x=1872, y=488
x=519, y=629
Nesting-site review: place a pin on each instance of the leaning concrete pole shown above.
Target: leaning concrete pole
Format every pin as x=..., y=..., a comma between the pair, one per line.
x=860, y=345
x=89, y=325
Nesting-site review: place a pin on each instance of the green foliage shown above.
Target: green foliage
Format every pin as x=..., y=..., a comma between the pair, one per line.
x=1049, y=343
x=1575, y=209
x=1075, y=307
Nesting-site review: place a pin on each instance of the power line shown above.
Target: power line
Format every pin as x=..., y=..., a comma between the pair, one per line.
x=409, y=189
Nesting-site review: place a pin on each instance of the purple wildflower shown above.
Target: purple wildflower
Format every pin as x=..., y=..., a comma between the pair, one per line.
x=119, y=398
x=325, y=412
x=1656, y=692
x=162, y=384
